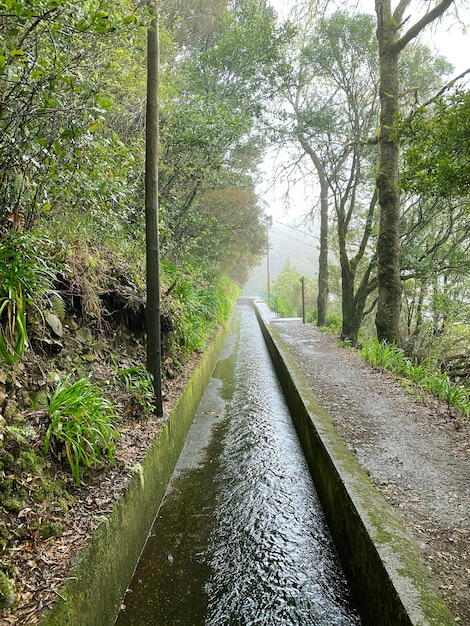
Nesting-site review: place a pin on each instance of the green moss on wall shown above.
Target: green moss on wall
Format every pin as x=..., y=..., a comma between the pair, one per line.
x=106, y=564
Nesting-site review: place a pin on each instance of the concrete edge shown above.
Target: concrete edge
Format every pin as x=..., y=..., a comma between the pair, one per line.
x=389, y=580
x=105, y=566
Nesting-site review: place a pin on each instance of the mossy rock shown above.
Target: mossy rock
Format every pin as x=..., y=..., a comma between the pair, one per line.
x=7, y=594
x=50, y=529
x=12, y=504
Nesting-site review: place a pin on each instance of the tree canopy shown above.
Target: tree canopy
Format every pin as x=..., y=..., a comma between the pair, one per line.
x=234, y=78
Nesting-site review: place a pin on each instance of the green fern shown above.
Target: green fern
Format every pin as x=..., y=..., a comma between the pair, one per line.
x=57, y=305
x=21, y=434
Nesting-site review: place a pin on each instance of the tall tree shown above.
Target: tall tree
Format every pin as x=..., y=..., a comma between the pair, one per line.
x=392, y=39
x=332, y=93
x=209, y=136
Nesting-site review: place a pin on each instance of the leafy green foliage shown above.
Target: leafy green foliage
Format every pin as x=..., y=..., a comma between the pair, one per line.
x=287, y=291
x=200, y=303
x=436, y=142
x=139, y=384
x=24, y=276
x=392, y=358
x=333, y=323
x=20, y=433
x=82, y=421
x=203, y=307
x=240, y=57
x=50, y=106
x=209, y=147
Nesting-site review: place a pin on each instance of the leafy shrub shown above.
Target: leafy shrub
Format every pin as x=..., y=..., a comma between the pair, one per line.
x=312, y=316
x=24, y=276
x=285, y=308
x=334, y=322
x=201, y=303
x=82, y=420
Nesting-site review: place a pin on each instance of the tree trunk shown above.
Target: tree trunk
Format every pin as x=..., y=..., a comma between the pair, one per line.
x=388, y=246
x=353, y=304
x=322, y=298
x=350, y=327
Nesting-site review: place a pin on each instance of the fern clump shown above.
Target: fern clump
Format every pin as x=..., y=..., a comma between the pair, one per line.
x=392, y=358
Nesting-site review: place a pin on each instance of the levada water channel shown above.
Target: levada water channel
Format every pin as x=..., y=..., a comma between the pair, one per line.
x=240, y=538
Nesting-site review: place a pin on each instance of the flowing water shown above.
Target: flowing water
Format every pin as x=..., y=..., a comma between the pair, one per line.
x=240, y=538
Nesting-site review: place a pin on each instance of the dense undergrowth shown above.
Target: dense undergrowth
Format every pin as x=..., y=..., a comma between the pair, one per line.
x=72, y=344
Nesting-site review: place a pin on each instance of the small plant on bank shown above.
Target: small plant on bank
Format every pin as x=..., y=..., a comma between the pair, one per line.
x=83, y=422
x=334, y=322
x=7, y=594
x=392, y=358
x=312, y=316
x=20, y=433
x=24, y=277
x=139, y=383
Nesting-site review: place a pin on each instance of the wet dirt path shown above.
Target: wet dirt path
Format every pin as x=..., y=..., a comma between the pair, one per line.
x=415, y=452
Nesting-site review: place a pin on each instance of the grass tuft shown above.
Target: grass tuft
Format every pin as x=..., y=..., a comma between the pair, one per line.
x=390, y=357
x=83, y=422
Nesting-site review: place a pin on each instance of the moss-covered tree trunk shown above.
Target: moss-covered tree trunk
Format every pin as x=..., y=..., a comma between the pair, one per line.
x=389, y=25
x=322, y=298
x=351, y=324
x=353, y=300
x=388, y=246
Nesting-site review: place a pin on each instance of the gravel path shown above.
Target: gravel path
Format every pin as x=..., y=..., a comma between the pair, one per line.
x=416, y=452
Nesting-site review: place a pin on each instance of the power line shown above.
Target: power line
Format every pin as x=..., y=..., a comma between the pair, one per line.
x=294, y=228
x=305, y=243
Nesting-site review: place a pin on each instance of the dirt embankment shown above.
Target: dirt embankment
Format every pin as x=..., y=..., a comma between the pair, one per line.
x=45, y=518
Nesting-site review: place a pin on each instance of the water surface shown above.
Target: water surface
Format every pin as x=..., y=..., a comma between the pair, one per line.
x=240, y=537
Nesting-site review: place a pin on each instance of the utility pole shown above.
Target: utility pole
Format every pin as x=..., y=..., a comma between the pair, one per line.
x=268, y=279
x=154, y=357
x=302, y=281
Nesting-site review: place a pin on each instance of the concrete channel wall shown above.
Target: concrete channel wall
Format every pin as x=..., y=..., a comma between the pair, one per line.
x=383, y=564
x=106, y=565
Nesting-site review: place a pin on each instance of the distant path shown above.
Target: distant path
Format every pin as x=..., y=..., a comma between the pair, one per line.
x=416, y=454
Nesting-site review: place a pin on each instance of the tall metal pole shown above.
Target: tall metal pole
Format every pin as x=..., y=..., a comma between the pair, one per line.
x=154, y=357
